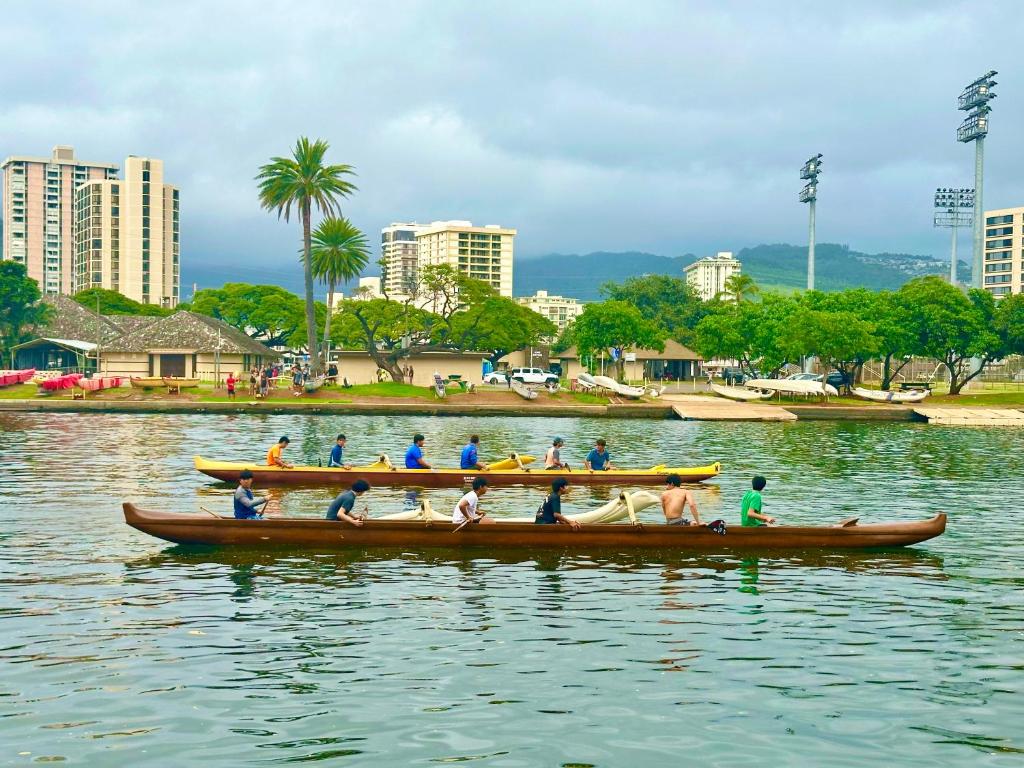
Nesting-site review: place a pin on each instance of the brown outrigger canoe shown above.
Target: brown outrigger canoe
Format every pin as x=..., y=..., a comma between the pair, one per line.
x=382, y=474
x=316, y=534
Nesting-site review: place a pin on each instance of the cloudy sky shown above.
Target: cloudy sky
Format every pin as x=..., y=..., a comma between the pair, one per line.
x=669, y=127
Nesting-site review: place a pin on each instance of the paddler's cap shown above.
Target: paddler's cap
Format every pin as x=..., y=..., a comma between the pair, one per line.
x=558, y=441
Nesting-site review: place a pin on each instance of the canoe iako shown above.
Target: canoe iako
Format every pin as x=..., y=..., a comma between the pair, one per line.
x=304, y=533
x=383, y=473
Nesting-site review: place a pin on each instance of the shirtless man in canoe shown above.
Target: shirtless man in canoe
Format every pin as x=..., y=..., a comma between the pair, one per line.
x=675, y=500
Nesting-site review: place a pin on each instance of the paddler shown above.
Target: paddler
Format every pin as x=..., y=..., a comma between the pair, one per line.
x=675, y=500
x=274, y=454
x=414, y=456
x=248, y=506
x=341, y=508
x=751, y=507
x=550, y=512
x=468, y=509
x=553, y=457
x=470, y=458
x=337, y=458
x=598, y=460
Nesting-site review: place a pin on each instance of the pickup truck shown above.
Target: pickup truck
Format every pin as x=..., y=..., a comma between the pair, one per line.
x=534, y=376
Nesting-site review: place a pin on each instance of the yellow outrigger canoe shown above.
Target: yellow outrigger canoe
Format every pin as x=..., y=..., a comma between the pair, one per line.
x=504, y=472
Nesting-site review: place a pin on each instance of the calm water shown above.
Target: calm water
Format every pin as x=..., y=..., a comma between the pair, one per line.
x=118, y=649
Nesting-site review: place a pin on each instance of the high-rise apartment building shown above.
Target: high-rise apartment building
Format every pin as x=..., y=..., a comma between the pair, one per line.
x=399, y=259
x=1004, y=251
x=483, y=253
x=38, y=213
x=126, y=235
x=558, y=309
x=708, y=275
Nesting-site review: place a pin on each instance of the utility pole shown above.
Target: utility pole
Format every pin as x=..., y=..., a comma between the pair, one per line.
x=809, y=194
x=953, y=209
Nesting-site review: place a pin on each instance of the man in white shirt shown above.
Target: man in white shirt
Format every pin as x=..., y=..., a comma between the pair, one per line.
x=467, y=510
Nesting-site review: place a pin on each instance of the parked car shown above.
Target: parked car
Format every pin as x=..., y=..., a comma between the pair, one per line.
x=534, y=376
x=737, y=375
x=804, y=377
x=495, y=377
x=837, y=379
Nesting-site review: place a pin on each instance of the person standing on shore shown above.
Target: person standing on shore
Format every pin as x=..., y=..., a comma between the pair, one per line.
x=231, y=381
x=264, y=383
x=410, y=374
x=254, y=381
x=247, y=504
x=297, y=380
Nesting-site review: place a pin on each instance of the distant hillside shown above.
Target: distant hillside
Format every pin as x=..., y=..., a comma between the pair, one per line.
x=781, y=266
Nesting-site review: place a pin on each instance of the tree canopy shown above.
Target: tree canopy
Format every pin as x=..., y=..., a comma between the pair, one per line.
x=20, y=305
x=671, y=302
x=114, y=303
x=615, y=324
x=267, y=313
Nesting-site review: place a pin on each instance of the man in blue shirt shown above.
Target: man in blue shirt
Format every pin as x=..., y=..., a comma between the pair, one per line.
x=247, y=505
x=470, y=458
x=338, y=454
x=414, y=456
x=598, y=460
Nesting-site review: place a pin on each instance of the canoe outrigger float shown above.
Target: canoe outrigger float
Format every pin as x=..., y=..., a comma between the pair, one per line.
x=512, y=471
x=318, y=534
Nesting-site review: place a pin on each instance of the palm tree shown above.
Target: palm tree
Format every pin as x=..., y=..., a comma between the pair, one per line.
x=740, y=287
x=340, y=252
x=303, y=181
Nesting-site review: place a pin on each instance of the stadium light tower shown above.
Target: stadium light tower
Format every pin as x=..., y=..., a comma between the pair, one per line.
x=953, y=209
x=974, y=100
x=809, y=194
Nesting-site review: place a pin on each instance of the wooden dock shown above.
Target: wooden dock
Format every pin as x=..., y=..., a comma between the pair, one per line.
x=972, y=417
x=696, y=408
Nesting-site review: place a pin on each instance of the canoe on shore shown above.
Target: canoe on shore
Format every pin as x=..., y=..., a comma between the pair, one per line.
x=522, y=389
x=881, y=396
x=179, y=382
x=739, y=393
x=381, y=474
x=185, y=528
x=147, y=382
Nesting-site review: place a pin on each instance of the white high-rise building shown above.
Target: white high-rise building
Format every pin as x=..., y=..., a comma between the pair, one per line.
x=708, y=275
x=484, y=253
x=1004, y=251
x=399, y=258
x=558, y=309
x=126, y=235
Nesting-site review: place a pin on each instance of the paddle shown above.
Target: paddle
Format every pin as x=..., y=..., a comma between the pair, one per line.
x=210, y=512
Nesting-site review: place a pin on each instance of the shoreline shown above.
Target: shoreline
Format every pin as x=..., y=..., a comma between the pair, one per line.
x=406, y=407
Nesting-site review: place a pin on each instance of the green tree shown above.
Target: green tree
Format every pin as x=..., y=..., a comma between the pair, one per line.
x=303, y=181
x=841, y=340
x=669, y=301
x=267, y=313
x=20, y=305
x=340, y=252
x=1009, y=321
x=391, y=331
x=114, y=303
x=897, y=343
x=740, y=287
x=952, y=327
x=756, y=334
x=615, y=324
x=498, y=325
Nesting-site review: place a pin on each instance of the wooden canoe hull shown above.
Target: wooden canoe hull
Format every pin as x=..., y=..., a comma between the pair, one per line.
x=147, y=382
x=444, y=478
x=176, y=383
x=319, y=534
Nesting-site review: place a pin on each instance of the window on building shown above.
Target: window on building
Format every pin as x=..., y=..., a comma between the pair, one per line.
x=1006, y=219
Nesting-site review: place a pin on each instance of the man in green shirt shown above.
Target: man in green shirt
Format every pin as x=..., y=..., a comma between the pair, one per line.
x=750, y=509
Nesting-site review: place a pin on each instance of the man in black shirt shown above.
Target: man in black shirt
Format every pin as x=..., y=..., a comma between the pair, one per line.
x=341, y=507
x=550, y=512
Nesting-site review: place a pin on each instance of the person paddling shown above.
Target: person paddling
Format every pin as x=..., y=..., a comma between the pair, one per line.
x=341, y=507
x=751, y=508
x=248, y=506
x=414, y=456
x=274, y=454
x=468, y=509
x=550, y=512
x=599, y=460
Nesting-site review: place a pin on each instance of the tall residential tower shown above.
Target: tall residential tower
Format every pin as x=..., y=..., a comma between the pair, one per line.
x=1004, y=251
x=399, y=260
x=38, y=215
x=483, y=253
x=126, y=235
x=708, y=275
